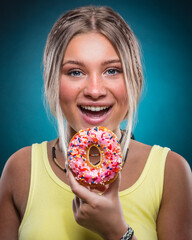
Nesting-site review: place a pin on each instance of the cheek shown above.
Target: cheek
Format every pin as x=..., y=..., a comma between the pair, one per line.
x=66, y=92
x=122, y=98
x=63, y=92
x=121, y=93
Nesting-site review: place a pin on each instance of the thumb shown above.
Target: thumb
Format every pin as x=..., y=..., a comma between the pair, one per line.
x=113, y=188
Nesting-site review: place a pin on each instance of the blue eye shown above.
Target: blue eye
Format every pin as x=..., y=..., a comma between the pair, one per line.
x=75, y=73
x=112, y=71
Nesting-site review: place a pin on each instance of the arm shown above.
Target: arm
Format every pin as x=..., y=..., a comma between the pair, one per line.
x=100, y=213
x=14, y=185
x=175, y=216
x=9, y=218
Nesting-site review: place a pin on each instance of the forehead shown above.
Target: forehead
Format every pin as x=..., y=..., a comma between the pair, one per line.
x=90, y=45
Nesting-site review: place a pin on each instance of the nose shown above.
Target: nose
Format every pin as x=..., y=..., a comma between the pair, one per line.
x=95, y=87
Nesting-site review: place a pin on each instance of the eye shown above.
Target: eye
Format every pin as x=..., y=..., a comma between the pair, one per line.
x=75, y=73
x=113, y=71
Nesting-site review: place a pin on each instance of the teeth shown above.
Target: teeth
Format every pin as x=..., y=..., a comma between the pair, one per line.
x=94, y=109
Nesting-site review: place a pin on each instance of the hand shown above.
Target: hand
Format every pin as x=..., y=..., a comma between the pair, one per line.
x=102, y=214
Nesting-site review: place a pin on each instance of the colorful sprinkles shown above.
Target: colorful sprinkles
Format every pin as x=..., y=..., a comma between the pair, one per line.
x=111, y=158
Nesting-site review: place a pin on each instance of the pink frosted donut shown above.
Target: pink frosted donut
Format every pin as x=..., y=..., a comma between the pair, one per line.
x=110, y=156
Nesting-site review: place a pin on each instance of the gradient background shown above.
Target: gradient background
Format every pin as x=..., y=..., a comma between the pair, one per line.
x=164, y=30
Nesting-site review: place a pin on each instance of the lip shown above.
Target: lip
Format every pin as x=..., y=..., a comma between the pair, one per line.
x=95, y=120
x=94, y=104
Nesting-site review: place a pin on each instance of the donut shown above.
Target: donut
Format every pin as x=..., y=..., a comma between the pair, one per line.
x=109, y=148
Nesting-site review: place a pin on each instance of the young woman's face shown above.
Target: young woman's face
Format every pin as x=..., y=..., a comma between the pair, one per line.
x=92, y=87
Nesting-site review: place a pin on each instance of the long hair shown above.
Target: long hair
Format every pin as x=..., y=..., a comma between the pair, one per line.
x=100, y=20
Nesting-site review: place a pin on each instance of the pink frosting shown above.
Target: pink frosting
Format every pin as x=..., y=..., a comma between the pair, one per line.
x=111, y=156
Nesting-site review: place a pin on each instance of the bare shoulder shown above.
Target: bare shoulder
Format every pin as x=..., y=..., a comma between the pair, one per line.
x=178, y=179
x=17, y=165
x=15, y=178
x=14, y=187
x=175, y=211
x=177, y=170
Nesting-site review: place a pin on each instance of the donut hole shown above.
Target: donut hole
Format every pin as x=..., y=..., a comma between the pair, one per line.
x=94, y=155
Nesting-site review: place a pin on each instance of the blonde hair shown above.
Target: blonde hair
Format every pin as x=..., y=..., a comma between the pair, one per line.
x=109, y=23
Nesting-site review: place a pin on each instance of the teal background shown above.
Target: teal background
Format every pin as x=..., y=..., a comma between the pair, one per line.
x=165, y=33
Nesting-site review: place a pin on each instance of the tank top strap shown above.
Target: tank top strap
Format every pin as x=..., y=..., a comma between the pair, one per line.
x=157, y=160
x=36, y=167
x=155, y=175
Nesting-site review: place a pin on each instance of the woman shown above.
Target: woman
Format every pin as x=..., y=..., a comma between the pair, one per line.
x=93, y=77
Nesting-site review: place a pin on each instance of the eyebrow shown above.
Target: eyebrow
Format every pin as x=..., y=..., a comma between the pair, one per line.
x=111, y=61
x=74, y=62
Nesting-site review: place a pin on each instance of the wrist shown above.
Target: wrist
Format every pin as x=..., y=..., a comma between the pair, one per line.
x=116, y=233
x=128, y=234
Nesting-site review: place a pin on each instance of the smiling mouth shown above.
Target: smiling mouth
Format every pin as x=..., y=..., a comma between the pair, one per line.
x=95, y=112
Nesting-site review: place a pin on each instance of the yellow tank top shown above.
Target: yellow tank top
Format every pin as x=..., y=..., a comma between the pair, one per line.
x=49, y=212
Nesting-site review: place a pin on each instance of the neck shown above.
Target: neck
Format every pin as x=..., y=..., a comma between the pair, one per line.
x=70, y=133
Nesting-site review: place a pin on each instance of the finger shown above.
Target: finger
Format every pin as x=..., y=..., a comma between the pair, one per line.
x=113, y=189
x=79, y=190
x=98, y=188
x=81, y=201
x=74, y=207
x=77, y=201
